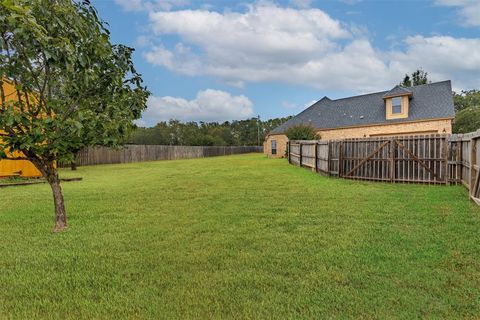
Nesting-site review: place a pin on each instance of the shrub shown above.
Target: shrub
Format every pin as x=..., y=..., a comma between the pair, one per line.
x=302, y=132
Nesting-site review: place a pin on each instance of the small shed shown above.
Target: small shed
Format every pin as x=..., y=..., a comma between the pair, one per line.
x=12, y=168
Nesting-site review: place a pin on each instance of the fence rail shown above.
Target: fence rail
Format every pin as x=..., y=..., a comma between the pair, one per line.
x=433, y=159
x=140, y=153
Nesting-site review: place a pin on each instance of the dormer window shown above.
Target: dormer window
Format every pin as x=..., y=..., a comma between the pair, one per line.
x=397, y=105
x=397, y=102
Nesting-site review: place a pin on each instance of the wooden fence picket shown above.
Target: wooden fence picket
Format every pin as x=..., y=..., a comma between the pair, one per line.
x=432, y=159
x=140, y=153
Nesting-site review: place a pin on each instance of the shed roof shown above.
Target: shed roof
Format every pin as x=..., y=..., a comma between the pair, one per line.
x=428, y=101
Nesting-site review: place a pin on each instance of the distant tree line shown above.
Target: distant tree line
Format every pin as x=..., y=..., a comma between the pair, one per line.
x=249, y=132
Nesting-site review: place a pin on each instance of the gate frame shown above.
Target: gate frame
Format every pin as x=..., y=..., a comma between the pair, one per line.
x=474, y=171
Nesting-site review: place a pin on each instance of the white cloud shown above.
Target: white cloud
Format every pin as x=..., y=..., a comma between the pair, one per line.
x=265, y=43
x=170, y=4
x=443, y=57
x=262, y=30
x=208, y=105
x=180, y=59
x=469, y=10
x=301, y=46
x=138, y=5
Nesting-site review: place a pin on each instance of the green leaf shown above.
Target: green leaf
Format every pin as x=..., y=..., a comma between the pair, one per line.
x=88, y=102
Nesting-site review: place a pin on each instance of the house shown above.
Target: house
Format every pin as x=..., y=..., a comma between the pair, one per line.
x=11, y=168
x=423, y=109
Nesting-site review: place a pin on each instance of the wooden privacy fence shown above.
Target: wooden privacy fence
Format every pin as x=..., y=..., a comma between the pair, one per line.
x=140, y=153
x=433, y=159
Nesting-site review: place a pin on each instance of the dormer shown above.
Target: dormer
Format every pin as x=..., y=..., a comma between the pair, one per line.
x=397, y=101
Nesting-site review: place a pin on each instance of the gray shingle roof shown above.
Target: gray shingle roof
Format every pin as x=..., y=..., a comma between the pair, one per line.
x=428, y=101
x=397, y=91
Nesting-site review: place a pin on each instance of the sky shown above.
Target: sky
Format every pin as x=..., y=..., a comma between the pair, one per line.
x=232, y=60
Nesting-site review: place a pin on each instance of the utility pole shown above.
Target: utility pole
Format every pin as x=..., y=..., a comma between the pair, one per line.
x=258, y=130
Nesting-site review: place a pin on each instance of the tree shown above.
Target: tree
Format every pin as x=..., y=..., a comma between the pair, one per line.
x=406, y=81
x=73, y=87
x=417, y=78
x=467, y=111
x=466, y=99
x=301, y=132
x=467, y=120
x=234, y=133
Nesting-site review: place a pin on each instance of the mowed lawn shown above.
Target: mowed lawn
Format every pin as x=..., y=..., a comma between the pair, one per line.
x=238, y=237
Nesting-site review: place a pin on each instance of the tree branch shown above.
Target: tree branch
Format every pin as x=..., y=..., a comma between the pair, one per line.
x=2, y=95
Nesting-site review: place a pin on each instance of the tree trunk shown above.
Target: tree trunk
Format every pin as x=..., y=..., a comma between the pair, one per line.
x=49, y=171
x=73, y=165
x=60, y=212
x=51, y=174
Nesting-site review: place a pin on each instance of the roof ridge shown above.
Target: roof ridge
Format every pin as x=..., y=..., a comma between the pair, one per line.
x=385, y=91
x=426, y=84
x=361, y=95
x=400, y=87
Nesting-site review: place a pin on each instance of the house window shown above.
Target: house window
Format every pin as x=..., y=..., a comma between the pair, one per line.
x=274, y=146
x=397, y=105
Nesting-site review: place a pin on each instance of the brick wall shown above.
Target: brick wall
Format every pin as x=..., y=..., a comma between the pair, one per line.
x=423, y=127
x=281, y=145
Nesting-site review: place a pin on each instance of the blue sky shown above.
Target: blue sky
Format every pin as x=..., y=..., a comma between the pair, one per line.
x=225, y=60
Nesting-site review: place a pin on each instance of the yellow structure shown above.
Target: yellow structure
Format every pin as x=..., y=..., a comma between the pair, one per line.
x=11, y=168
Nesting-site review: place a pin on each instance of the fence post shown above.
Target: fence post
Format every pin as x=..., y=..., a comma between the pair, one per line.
x=328, y=157
x=340, y=159
x=445, y=158
x=473, y=162
x=330, y=145
x=315, y=148
x=289, y=152
x=459, y=159
x=300, y=151
x=392, y=160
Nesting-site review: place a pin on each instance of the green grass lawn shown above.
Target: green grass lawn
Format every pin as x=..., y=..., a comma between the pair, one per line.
x=238, y=237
